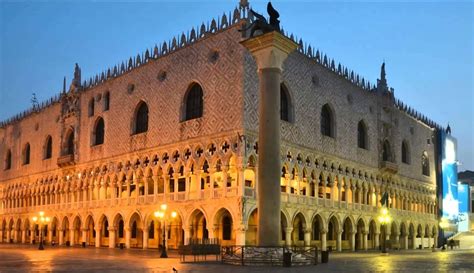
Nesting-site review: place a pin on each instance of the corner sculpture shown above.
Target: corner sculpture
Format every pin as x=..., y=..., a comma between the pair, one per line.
x=261, y=23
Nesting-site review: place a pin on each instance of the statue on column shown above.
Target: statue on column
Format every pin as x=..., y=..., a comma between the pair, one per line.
x=261, y=23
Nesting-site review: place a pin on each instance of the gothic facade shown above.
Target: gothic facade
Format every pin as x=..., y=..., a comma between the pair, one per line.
x=179, y=125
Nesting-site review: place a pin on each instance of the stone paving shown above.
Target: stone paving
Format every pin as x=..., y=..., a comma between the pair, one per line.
x=21, y=258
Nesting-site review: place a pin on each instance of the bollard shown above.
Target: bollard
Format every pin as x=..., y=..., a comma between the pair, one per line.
x=83, y=244
x=324, y=257
x=286, y=259
x=68, y=243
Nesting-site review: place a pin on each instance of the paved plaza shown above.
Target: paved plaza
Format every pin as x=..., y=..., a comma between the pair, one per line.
x=20, y=258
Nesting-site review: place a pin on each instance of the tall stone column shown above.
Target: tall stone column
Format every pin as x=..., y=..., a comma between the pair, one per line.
x=339, y=241
x=323, y=240
x=23, y=236
x=98, y=236
x=145, y=237
x=364, y=237
x=307, y=236
x=288, y=232
x=111, y=237
x=1, y=235
x=128, y=237
x=270, y=51
x=61, y=237
x=72, y=236
x=187, y=235
x=376, y=238
x=353, y=241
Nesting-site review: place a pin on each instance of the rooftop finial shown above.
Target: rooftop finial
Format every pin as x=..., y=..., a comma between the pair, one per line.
x=76, y=81
x=64, y=85
x=382, y=82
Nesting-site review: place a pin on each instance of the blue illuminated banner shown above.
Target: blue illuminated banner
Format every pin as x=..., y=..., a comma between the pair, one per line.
x=463, y=195
x=450, y=177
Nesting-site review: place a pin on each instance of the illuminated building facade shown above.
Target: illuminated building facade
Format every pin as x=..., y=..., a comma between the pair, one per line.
x=178, y=124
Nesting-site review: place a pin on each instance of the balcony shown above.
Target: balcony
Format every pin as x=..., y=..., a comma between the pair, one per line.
x=66, y=160
x=387, y=166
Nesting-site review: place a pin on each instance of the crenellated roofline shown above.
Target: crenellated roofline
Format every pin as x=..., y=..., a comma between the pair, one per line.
x=203, y=31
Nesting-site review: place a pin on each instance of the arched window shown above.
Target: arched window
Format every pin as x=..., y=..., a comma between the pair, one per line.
x=26, y=154
x=425, y=164
x=70, y=143
x=91, y=107
x=98, y=133
x=226, y=228
x=106, y=101
x=8, y=160
x=386, y=151
x=327, y=121
x=285, y=103
x=141, y=118
x=194, y=102
x=48, y=148
x=405, y=152
x=362, y=135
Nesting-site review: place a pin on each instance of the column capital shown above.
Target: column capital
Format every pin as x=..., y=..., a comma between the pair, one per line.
x=270, y=49
x=289, y=229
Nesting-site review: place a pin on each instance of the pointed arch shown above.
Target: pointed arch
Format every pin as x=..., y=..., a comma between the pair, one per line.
x=286, y=106
x=8, y=160
x=48, y=147
x=405, y=152
x=98, y=132
x=362, y=137
x=386, y=151
x=327, y=121
x=140, y=118
x=193, y=102
x=26, y=154
x=69, y=142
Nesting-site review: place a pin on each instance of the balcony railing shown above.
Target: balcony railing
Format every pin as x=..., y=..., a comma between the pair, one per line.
x=66, y=160
x=388, y=166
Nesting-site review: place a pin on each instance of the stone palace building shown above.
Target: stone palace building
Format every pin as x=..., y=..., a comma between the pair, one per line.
x=178, y=125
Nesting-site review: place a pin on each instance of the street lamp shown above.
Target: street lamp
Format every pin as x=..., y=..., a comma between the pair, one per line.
x=41, y=220
x=384, y=219
x=163, y=215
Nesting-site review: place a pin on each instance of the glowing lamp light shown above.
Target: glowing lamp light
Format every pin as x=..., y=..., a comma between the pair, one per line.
x=173, y=214
x=35, y=219
x=443, y=223
x=41, y=213
x=164, y=206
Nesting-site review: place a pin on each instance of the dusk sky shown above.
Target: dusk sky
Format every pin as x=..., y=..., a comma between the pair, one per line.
x=427, y=47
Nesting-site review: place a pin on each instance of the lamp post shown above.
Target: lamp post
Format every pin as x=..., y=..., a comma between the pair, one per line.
x=41, y=220
x=384, y=219
x=163, y=216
